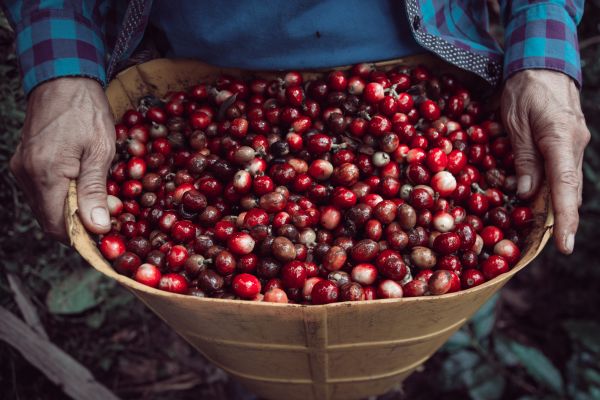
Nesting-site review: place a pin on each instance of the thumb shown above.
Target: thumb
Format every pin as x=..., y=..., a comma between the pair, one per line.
x=91, y=186
x=528, y=162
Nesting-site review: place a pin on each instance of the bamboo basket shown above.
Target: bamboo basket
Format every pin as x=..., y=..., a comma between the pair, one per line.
x=285, y=351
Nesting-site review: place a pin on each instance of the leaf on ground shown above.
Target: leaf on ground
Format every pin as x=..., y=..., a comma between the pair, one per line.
x=585, y=332
x=483, y=326
x=485, y=383
x=483, y=321
x=594, y=392
x=455, y=365
x=96, y=319
x=76, y=293
x=503, y=353
x=538, y=366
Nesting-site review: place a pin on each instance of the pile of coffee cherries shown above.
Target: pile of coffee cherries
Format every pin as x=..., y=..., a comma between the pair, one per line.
x=359, y=185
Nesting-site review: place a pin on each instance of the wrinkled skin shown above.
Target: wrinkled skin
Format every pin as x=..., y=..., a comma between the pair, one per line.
x=68, y=134
x=542, y=112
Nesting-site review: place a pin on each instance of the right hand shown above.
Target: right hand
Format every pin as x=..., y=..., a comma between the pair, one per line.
x=542, y=113
x=68, y=134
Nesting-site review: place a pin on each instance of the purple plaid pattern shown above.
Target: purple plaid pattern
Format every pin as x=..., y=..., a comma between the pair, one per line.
x=53, y=43
x=543, y=36
x=538, y=34
x=79, y=38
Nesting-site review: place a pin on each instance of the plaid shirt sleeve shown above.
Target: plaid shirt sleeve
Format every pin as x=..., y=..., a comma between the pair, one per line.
x=542, y=34
x=56, y=39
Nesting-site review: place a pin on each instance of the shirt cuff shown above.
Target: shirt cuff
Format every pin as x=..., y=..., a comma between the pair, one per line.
x=542, y=36
x=57, y=43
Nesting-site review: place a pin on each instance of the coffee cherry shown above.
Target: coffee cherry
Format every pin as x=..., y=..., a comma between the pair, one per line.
x=183, y=231
x=173, y=283
x=415, y=288
x=148, y=274
x=330, y=217
x=478, y=204
x=385, y=211
x=444, y=183
x=373, y=92
x=446, y=243
x=393, y=268
x=450, y=263
x=294, y=275
x=127, y=263
x=352, y=292
x=245, y=286
x=455, y=284
x=440, y=282
x=521, y=217
x=407, y=216
x=276, y=296
x=389, y=289
x=365, y=250
x=240, y=243
x=194, y=265
x=471, y=278
x=365, y=274
x=177, y=257
x=423, y=257
x=430, y=110
x=491, y=235
x=324, y=292
x=112, y=247
x=508, y=250
x=272, y=202
x=334, y=259
x=436, y=160
x=225, y=263
x=115, y=205
x=283, y=249
x=494, y=266
x=443, y=221
x=421, y=199
x=210, y=282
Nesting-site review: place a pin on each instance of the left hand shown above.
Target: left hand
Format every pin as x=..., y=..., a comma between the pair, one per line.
x=541, y=111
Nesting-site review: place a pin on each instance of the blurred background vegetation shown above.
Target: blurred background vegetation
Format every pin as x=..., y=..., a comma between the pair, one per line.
x=538, y=339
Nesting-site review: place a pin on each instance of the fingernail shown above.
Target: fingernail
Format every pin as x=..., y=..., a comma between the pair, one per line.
x=524, y=184
x=570, y=242
x=100, y=216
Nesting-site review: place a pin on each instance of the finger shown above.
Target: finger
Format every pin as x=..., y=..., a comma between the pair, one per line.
x=528, y=164
x=581, y=142
x=91, y=186
x=46, y=191
x=580, y=188
x=561, y=169
x=51, y=200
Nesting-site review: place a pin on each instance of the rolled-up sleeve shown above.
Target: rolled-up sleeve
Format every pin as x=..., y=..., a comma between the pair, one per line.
x=542, y=34
x=55, y=41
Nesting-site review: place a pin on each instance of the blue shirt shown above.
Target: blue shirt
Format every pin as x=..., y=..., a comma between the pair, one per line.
x=95, y=38
x=259, y=34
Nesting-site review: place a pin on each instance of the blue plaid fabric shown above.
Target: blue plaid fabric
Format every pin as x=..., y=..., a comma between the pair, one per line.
x=77, y=38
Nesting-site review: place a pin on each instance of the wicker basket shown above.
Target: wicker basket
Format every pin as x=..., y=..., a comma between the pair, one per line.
x=337, y=351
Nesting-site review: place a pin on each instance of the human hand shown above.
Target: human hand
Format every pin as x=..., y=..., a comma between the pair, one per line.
x=68, y=134
x=542, y=113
